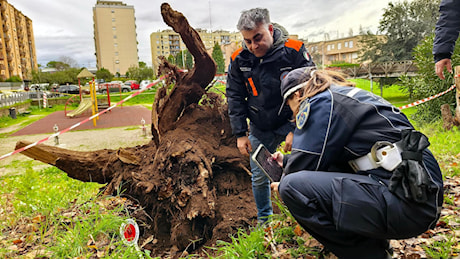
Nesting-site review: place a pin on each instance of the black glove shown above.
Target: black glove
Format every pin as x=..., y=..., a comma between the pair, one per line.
x=410, y=179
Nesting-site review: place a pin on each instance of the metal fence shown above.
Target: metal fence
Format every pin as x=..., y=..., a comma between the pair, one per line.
x=13, y=98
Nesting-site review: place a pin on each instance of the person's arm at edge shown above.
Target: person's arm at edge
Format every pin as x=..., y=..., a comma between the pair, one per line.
x=447, y=31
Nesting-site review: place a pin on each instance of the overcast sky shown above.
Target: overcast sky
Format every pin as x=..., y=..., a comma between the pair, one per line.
x=64, y=28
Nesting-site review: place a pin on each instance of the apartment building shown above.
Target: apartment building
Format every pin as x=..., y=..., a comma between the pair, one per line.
x=338, y=50
x=115, y=36
x=168, y=42
x=17, y=45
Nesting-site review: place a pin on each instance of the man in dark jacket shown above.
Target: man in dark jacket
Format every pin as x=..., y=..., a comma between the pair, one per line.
x=253, y=91
x=447, y=29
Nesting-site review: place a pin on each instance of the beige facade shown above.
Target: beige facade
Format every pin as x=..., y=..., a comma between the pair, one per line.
x=168, y=42
x=338, y=50
x=17, y=45
x=115, y=36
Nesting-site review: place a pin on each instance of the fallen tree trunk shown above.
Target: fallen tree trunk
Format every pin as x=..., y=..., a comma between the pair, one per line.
x=190, y=179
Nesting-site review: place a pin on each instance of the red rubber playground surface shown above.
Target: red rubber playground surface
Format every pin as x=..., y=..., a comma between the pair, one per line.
x=116, y=117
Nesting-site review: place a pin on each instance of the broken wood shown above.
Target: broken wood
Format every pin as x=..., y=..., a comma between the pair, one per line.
x=446, y=115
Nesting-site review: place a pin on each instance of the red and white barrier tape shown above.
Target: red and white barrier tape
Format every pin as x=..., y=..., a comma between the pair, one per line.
x=416, y=103
x=84, y=121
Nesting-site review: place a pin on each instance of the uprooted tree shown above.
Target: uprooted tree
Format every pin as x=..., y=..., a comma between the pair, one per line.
x=190, y=179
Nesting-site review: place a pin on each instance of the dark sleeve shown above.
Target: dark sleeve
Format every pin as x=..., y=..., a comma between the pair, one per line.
x=447, y=29
x=319, y=143
x=237, y=100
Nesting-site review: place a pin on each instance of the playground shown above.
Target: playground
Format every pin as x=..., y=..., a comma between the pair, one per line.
x=117, y=117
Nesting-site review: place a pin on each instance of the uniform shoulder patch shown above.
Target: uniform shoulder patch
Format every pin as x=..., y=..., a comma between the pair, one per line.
x=306, y=55
x=302, y=116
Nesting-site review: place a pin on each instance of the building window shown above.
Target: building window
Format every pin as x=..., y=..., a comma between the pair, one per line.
x=114, y=36
x=113, y=19
x=116, y=53
x=339, y=46
x=328, y=47
x=351, y=44
x=117, y=61
x=113, y=11
x=346, y=44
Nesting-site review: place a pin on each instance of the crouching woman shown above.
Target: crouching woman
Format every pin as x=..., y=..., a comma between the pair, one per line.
x=359, y=174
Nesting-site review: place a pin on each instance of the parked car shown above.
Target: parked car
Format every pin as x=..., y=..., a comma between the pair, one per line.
x=113, y=87
x=132, y=84
x=145, y=83
x=69, y=89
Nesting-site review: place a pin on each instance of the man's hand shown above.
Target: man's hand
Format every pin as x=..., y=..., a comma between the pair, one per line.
x=440, y=65
x=288, y=142
x=244, y=145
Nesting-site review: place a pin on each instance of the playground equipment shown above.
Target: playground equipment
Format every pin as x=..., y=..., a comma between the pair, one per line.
x=85, y=103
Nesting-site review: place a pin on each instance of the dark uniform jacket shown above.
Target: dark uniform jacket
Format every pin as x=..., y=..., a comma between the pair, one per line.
x=343, y=123
x=447, y=29
x=253, y=84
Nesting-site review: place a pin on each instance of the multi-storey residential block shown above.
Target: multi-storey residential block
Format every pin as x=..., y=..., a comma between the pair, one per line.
x=17, y=44
x=115, y=36
x=168, y=42
x=338, y=50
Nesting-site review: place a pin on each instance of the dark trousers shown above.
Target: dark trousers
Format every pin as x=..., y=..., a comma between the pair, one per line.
x=353, y=215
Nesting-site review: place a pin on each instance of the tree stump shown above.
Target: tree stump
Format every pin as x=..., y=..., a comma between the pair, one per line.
x=447, y=119
x=190, y=179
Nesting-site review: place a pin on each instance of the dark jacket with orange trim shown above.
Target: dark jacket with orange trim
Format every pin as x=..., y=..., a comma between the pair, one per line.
x=253, y=84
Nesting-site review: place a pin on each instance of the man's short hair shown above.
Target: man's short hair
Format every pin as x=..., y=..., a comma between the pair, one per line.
x=251, y=18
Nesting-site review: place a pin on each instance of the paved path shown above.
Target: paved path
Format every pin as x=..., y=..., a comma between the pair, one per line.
x=119, y=116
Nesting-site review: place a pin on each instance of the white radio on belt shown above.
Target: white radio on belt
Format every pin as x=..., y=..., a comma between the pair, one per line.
x=383, y=154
